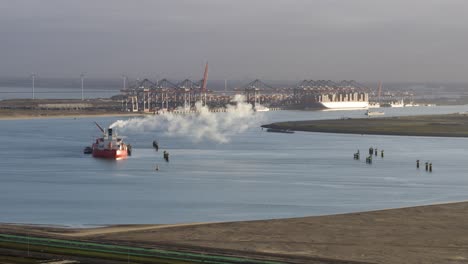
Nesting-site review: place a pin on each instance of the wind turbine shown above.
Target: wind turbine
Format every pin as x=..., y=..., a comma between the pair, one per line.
x=33, y=76
x=124, y=81
x=82, y=86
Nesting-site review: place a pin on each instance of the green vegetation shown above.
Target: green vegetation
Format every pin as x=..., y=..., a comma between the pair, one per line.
x=453, y=125
x=18, y=260
x=113, y=252
x=89, y=253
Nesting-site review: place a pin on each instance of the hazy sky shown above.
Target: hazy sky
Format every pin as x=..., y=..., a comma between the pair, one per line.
x=394, y=40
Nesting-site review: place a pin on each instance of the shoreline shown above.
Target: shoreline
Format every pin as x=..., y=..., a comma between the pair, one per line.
x=74, y=115
x=434, y=233
x=382, y=133
x=24, y=109
x=101, y=226
x=446, y=125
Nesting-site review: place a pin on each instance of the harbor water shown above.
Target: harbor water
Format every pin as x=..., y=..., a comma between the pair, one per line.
x=46, y=179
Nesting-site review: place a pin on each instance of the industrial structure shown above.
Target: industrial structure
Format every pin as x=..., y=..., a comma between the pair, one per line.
x=165, y=95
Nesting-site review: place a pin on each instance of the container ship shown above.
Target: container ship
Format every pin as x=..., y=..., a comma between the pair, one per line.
x=336, y=101
x=323, y=94
x=110, y=146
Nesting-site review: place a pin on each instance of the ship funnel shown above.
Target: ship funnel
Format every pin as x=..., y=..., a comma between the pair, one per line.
x=109, y=133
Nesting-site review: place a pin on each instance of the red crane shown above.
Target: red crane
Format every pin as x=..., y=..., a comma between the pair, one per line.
x=205, y=78
x=203, y=88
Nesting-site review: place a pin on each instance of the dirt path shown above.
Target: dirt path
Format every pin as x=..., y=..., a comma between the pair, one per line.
x=121, y=229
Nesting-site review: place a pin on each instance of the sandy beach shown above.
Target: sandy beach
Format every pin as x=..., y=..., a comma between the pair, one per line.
x=17, y=109
x=423, y=234
x=28, y=114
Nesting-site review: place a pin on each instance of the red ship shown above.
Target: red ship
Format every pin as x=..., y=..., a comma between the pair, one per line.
x=110, y=146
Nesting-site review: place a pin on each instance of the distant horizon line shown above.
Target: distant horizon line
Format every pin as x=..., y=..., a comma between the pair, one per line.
x=38, y=78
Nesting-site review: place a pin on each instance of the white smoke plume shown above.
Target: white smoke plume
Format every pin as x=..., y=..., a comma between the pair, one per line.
x=199, y=126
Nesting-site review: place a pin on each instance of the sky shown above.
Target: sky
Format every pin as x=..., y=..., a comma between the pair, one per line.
x=366, y=40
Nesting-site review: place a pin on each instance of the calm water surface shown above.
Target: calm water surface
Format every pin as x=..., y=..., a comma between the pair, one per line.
x=45, y=178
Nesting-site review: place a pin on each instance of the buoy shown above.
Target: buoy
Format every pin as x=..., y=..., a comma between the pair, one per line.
x=356, y=155
x=155, y=145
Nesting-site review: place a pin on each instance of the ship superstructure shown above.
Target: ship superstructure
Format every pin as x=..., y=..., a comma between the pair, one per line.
x=110, y=145
x=397, y=103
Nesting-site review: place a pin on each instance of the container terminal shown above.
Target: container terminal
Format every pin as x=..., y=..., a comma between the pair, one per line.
x=164, y=95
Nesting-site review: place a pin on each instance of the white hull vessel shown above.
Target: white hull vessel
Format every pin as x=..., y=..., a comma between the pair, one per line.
x=374, y=105
x=394, y=104
x=261, y=108
x=411, y=105
x=397, y=105
x=374, y=113
x=345, y=105
x=334, y=100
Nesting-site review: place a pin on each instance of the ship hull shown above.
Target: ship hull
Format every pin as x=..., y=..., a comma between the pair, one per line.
x=393, y=105
x=262, y=109
x=375, y=114
x=345, y=105
x=335, y=105
x=110, y=154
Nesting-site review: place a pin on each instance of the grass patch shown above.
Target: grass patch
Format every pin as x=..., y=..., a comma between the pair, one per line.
x=453, y=125
x=120, y=256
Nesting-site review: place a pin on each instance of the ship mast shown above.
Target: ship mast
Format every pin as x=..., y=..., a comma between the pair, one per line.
x=100, y=128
